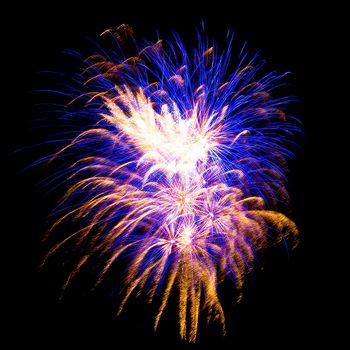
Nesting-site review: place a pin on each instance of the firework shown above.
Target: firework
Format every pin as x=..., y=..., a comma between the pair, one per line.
x=178, y=172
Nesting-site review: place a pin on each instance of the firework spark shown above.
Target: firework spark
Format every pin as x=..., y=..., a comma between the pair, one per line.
x=178, y=173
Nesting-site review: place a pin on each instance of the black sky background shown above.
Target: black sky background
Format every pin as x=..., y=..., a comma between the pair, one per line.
x=288, y=304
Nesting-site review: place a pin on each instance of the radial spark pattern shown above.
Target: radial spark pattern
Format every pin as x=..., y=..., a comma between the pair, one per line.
x=178, y=170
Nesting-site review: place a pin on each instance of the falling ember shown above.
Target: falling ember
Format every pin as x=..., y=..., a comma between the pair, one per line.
x=179, y=172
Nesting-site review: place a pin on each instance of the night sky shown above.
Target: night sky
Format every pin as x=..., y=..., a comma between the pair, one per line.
x=287, y=303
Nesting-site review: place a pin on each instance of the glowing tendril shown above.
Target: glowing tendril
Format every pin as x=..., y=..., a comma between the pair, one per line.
x=178, y=172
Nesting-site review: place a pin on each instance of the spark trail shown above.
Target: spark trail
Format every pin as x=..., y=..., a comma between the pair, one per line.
x=179, y=172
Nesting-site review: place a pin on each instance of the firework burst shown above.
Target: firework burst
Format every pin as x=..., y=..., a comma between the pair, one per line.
x=178, y=173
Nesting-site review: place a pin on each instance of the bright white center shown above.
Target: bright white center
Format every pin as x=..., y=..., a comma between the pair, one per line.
x=185, y=237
